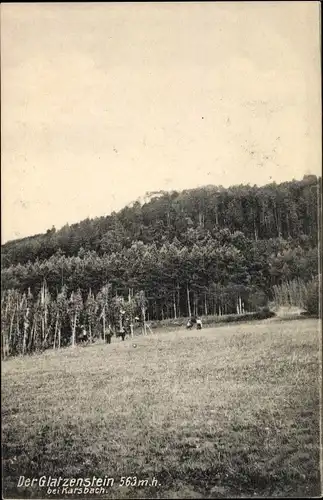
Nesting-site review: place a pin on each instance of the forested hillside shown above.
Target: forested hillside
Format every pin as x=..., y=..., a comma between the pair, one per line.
x=205, y=251
x=287, y=210
x=274, y=227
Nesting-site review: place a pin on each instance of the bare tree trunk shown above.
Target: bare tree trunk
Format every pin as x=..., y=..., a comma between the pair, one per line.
x=24, y=340
x=5, y=345
x=30, y=343
x=34, y=342
x=45, y=323
x=55, y=331
x=11, y=325
x=205, y=305
x=45, y=314
x=42, y=327
x=17, y=323
x=59, y=336
x=277, y=217
x=240, y=305
x=42, y=301
x=74, y=330
x=188, y=302
x=131, y=313
x=178, y=302
x=201, y=219
x=103, y=320
x=143, y=312
x=47, y=330
x=216, y=216
x=174, y=305
x=194, y=304
x=255, y=227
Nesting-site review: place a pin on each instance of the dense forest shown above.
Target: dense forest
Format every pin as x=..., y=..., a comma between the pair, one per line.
x=285, y=211
x=204, y=251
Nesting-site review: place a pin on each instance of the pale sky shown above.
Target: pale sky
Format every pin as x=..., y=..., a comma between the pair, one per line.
x=103, y=102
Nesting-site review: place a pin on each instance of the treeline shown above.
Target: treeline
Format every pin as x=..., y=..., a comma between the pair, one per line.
x=286, y=211
x=170, y=274
x=37, y=322
x=204, y=251
x=208, y=252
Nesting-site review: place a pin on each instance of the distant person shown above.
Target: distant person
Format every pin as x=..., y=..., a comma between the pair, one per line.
x=84, y=336
x=199, y=324
x=109, y=334
x=122, y=333
x=189, y=324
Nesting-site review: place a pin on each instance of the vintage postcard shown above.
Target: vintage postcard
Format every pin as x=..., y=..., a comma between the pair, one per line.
x=160, y=251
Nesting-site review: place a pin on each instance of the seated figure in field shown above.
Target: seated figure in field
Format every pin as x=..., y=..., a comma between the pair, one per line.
x=83, y=336
x=191, y=321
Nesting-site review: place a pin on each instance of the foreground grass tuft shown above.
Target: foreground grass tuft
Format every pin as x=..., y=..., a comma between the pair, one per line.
x=226, y=411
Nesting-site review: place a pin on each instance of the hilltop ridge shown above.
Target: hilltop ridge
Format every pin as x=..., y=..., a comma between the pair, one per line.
x=286, y=210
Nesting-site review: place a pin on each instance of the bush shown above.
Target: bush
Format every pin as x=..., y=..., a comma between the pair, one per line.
x=264, y=314
x=312, y=297
x=232, y=318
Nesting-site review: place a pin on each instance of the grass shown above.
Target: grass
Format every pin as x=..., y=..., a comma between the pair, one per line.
x=221, y=412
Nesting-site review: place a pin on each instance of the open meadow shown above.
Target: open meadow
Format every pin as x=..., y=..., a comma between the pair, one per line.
x=225, y=411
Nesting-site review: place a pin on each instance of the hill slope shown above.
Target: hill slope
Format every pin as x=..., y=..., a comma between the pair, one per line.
x=287, y=210
x=209, y=251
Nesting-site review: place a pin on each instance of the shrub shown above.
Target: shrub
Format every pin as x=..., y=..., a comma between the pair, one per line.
x=264, y=314
x=312, y=297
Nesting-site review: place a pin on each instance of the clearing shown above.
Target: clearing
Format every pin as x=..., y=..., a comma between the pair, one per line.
x=225, y=411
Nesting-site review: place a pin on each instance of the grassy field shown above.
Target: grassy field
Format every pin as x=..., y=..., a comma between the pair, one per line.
x=226, y=411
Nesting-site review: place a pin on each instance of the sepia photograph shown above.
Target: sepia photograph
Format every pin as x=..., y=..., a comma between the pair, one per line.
x=161, y=225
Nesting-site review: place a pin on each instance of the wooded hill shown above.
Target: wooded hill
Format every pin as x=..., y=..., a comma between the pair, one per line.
x=207, y=251
x=211, y=244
